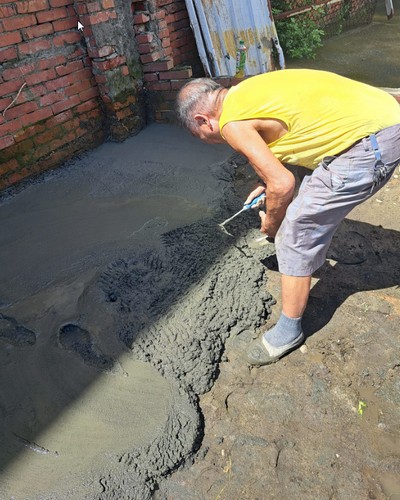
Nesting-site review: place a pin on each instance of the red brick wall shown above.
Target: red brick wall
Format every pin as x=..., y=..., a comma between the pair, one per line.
x=49, y=109
x=63, y=91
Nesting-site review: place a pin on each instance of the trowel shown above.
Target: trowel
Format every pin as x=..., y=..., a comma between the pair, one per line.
x=255, y=203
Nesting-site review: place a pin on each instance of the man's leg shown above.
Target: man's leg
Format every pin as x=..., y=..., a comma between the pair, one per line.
x=295, y=292
x=288, y=333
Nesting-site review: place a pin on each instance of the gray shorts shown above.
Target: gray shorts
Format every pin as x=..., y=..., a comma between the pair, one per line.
x=337, y=185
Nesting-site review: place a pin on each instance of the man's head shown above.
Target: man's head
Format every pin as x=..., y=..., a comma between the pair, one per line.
x=198, y=106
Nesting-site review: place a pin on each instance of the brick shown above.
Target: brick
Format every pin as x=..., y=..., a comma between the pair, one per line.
x=105, y=51
x=65, y=24
x=140, y=18
x=160, y=14
x=159, y=85
x=50, y=62
x=14, y=178
x=11, y=87
x=81, y=9
x=145, y=37
x=87, y=106
x=36, y=116
x=60, y=3
x=100, y=79
x=52, y=15
x=108, y=4
x=51, y=98
x=102, y=17
x=4, y=103
x=21, y=110
x=6, y=141
x=151, y=77
x=66, y=39
x=72, y=124
x=181, y=41
x=109, y=64
x=127, y=102
x=10, y=127
x=57, y=143
x=174, y=7
x=65, y=104
x=161, y=3
x=149, y=58
x=158, y=66
x=48, y=135
x=43, y=76
x=7, y=11
x=124, y=113
x=37, y=31
x=11, y=38
x=162, y=25
x=32, y=93
x=60, y=83
x=93, y=6
x=77, y=53
x=8, y=54
x=18, y=22
x=146, y=48
x=177, y=84
x=11, y=74
x=34, y=46
x=27, y=6
x=164, y=33
x=29, y=132
x=9, y=166
x=165, y=43
x=59, y=118
x=69, y=68
x=89, y=94
x=125, y=70
x=172, y=18
x=77, y=87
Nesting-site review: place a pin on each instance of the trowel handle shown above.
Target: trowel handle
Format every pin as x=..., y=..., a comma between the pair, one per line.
x=254, y=203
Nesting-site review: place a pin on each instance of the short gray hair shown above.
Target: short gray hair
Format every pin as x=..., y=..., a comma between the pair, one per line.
x=194, y=97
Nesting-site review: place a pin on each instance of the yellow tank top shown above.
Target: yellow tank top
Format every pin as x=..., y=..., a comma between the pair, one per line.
x=325, y=113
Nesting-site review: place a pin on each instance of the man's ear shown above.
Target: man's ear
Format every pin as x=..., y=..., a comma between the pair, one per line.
x=201, y=119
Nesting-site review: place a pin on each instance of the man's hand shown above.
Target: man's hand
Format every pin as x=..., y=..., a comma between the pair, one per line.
x=266, y=228
x=256, y=192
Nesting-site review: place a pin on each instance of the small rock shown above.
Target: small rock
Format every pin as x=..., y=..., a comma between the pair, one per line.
x=304, y=349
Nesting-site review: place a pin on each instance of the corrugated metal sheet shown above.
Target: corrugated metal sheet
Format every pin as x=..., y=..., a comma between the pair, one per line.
x=218, y=26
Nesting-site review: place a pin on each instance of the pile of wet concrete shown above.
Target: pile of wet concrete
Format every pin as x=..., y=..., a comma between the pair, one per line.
x=108, y=341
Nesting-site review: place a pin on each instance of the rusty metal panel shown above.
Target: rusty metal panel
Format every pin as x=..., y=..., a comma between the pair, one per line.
x=220, y=24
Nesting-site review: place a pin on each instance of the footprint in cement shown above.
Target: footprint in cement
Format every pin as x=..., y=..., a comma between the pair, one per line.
x=75, y=339
x=14, y=333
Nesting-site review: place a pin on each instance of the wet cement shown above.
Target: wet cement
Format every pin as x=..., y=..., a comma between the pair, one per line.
x=368, y=53
x=118, y=291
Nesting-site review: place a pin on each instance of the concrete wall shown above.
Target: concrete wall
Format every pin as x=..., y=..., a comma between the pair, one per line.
x=64, y=90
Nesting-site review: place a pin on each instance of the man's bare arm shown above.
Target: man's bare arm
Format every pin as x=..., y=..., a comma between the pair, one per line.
x=244, y=137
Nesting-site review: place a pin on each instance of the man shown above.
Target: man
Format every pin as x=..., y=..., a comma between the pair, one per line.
x=347, y=132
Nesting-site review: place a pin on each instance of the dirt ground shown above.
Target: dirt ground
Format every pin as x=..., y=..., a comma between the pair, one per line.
x=324, y=422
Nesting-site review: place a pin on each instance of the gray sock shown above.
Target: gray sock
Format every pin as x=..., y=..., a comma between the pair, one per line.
x=285, y=331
